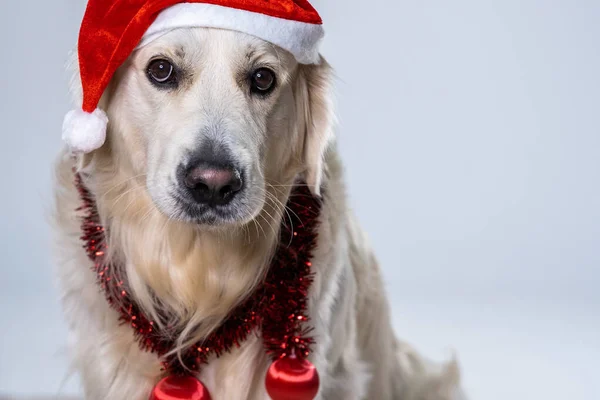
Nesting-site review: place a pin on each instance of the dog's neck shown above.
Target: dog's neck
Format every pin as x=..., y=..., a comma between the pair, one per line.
x=288, y=279
x=195, y=275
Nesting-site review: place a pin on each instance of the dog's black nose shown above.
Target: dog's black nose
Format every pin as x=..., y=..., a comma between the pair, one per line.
x=213, y=185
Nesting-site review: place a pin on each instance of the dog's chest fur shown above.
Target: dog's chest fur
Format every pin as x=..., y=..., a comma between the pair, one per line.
x=356, y=352
x=113, y=366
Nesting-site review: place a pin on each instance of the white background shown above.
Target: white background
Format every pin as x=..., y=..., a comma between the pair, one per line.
x=471, y=135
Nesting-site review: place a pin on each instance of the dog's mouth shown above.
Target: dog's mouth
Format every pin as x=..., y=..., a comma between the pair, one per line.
x=237, y=210
x=208, y=214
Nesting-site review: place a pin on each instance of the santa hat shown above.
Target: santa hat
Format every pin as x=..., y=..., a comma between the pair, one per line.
x=112, y=30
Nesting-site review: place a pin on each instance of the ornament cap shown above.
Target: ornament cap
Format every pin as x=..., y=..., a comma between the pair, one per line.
x=292, y=378
x=180, y=388
x=83, y=131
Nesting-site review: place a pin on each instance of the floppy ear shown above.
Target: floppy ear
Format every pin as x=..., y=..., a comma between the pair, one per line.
x=318, y=120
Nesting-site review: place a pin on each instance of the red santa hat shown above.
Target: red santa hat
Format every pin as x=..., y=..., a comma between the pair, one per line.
x=112, y=30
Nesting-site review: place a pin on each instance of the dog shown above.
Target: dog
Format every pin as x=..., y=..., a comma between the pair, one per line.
x=243, y=118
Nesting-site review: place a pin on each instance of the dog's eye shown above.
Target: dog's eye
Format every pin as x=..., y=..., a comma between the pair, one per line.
x=263, y=81
x=161, y=72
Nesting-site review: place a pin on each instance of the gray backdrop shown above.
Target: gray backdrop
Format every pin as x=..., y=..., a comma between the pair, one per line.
x=471, y=134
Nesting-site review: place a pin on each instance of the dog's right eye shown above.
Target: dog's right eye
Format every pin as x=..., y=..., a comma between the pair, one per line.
x=161, y=72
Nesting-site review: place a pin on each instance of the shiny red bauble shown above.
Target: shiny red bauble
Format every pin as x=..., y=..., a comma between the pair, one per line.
x=180, y=388
x=292, y=378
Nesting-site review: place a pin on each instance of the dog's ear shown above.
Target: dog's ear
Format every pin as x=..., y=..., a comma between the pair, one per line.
x=316, y=112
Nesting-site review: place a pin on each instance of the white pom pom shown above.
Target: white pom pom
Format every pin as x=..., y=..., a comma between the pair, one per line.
x=85, y=132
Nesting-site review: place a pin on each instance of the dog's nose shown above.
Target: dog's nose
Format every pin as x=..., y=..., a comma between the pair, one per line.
x=213, y=185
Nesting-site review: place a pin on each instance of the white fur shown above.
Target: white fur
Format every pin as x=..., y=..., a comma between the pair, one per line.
x=84, y=132
x=201, y=272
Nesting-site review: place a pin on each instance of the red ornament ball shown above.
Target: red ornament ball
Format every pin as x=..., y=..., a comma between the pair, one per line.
x=291, y=378
x=180, y=388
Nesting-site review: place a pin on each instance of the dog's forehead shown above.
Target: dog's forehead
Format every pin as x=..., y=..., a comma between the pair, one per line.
x=200, y=44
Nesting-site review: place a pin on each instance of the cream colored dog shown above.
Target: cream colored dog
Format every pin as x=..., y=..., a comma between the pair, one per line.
x=204, y=146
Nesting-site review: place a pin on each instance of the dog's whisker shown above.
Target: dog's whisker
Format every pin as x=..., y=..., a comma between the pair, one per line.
x=117, y=185
x=258, y=224
x=287, y=210
x=267, y=222
x=270, y=221
x=125, y=193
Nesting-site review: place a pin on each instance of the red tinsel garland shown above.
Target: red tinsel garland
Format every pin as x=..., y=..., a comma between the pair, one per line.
x=277, y=308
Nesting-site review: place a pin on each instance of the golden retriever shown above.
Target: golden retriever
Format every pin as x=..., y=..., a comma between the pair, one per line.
x=197, y=250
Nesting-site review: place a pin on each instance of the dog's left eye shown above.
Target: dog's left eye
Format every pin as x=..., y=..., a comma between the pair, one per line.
x=161, y=72
x=262, y=81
